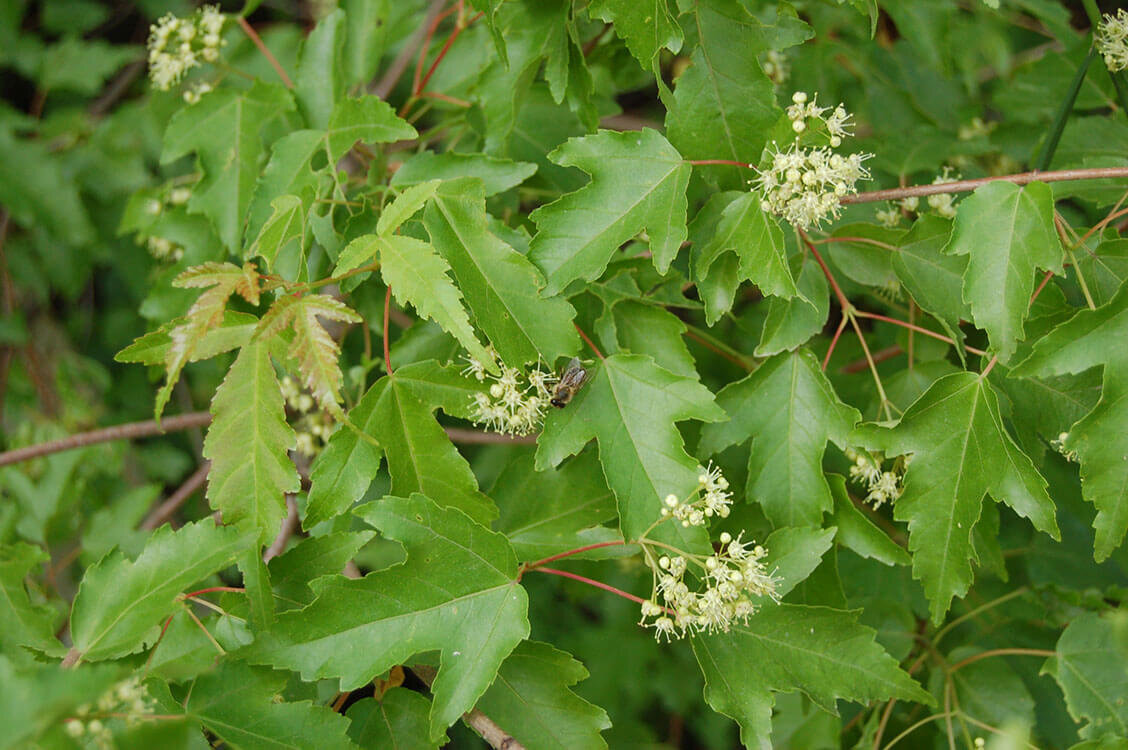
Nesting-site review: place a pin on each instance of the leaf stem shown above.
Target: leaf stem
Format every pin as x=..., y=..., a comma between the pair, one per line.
x=707, y=162
x=963, y=186
x=249, y=30
x=834, y=342
x=1002, y=652
x=442, y=53
x=232, y=589
x=918, y=329
x=982, y=608
x=591, y=582
x=576, y=551
x=387, y=310
x=588, y=341
x=861, y=240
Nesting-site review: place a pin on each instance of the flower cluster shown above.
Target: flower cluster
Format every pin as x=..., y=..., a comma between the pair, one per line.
x=312, y=425
x=1112, y=40
x=882, y=485
x=804, y=184
x=942, y=204
x=734, y=578
x=176, y=45
x=776, y=67
x=128, y=698
x=515, y=403
x=712, y=499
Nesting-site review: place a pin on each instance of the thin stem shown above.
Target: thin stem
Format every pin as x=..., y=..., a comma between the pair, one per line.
x=569, y=553
x=403, y=59
x=591, y=582
x=872, y=365
x=165, y=510
x=834, y=342
x=254, y=37
x=990, y=366
x=387, y=350
x=231, y=589
x=918, y=329
x=1002, y=652
x=719, y=347
x=207, y=633
x=707, y=162
x=588, y=341
x=128, y=431
x=963, y=186
x=442, y=53
x=860, y=240
x=912, y=728
x=882, y=355
x=842, y=301
x=474, y=437
x=1102, y=224
x=982, y=608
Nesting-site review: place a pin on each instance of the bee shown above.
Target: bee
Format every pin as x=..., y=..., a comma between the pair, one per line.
x=570, y=382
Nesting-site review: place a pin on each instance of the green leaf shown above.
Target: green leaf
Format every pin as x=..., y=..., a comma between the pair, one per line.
x=368, y=119
x=1008, y=232
x=546, y=512
x=312, y=347
x=1105, y=269
x=289, y=172
x=497, y=175
x=240, y=705
x=961, y=451
x=757, y=240
x=152, y=349
x=1091, y=667
x=822, y=652
x=646, y=27
x=398, y=719
x=791, y=410
x=37, y=192
x=502, y=288
x=405, y=206
x=248, y=443
x=121, y=603
x=418, y=275
x=794, y=553
x=531, y=700
x=638, y=183
x=312, y=557
x=639, y=328
x=22, y=622
x=220, y=281
x=420, y=456
x=791, y=322
x=36, y=698
x=935, y=280
x=1088, y=339
x=456, y=593
x=284, y=225
x=223, y=130
x=319, y=83
x=857, y=532
x=723, y=106
x=630, y=406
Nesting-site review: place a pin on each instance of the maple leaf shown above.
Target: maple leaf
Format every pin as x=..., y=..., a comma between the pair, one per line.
x=630, y=406
x=646, y=27
x=248, y=443
x=1091, y=666
x=219, y=281
x=312, y=347
x=1093, y=338
x=1007, y=231
x=502, y=288
x=398, y=412
x=790, y=410
x=961, y=452
x=822, y=652
x=638, y=182
x=456, y=593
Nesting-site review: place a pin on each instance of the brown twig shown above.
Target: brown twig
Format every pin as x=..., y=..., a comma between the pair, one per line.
x=165, y=510
x=963, y=186
x=497, y=737
x=129, y=431
x=257, y=40
x=390, y=78
x=473, y=437
x=289, y=526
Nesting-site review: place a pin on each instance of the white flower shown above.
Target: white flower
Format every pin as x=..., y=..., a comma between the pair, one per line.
x=941, y=203
x=191, y=40
x=1112, y=40
x=511, y=405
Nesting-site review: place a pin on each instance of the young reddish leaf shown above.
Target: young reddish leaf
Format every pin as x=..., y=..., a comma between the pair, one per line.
x=219, y=281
